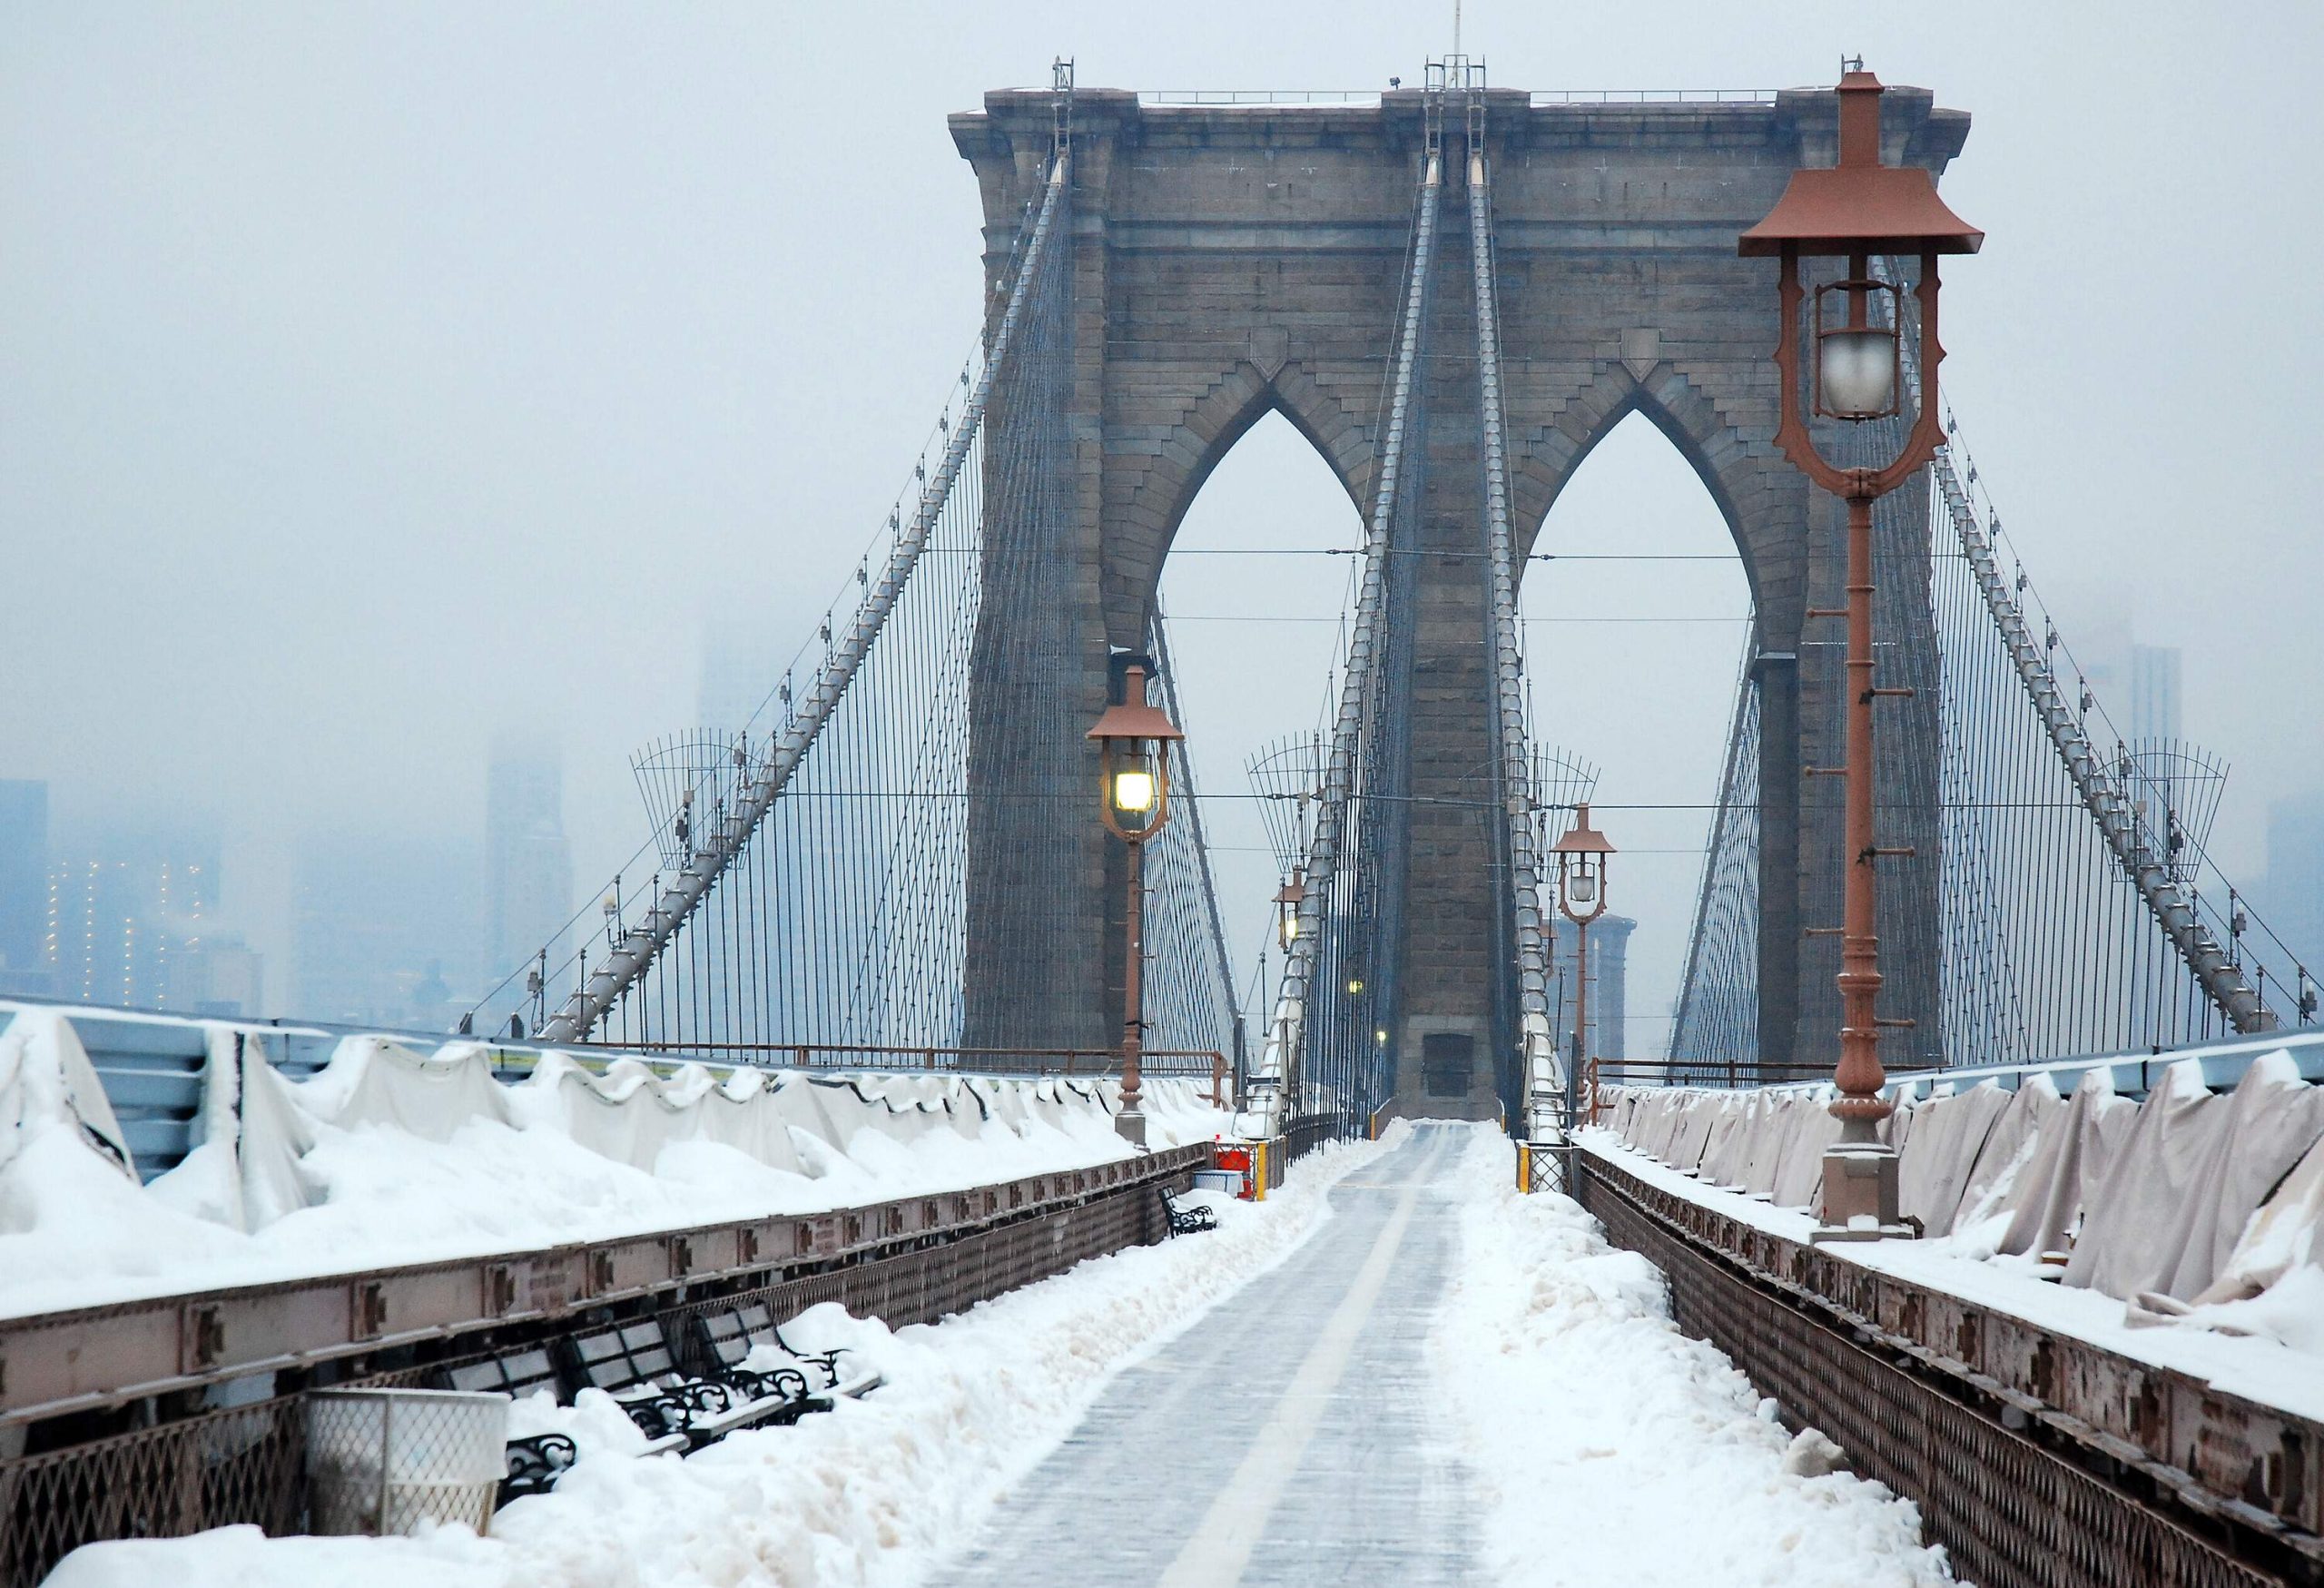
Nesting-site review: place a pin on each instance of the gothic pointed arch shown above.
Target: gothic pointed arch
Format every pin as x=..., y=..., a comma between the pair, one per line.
x=1767, y=516
x=1146, y=504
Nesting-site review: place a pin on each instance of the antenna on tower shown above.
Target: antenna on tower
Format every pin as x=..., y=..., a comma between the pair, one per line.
x=1456, y=26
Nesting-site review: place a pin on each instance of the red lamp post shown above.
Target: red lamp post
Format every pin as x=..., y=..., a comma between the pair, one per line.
x=1289, y=898
x=1853, y=210
x=1582, y=857
x=1134, y=743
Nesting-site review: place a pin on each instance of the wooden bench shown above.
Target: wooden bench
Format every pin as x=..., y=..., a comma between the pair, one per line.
x=729, y=1337
x=534, y=1464
x=634, y=1362
x=1187, y=1220
x=636, y=1365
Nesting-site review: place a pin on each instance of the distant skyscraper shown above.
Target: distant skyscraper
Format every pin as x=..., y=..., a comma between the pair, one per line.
x=2137, y=686
x=2100, y=642
x=217, y=975
x=527, y=860
x=23, y=887
x=122, y=910
x=1609, y=938
x=742, y=663
x=2154, y=693
x=2294, y=901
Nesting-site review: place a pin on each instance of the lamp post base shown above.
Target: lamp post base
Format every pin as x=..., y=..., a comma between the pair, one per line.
x=1860, y=1195
x=1130, y=1125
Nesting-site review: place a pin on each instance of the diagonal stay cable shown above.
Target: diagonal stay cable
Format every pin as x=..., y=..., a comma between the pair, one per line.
x=639, y=946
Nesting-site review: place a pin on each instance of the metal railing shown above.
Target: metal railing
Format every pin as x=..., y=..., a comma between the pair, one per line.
x=91, y=1358
x=247, y=1464
x=1089, y=1063
x=1306, y=1133
x=1371, y=97
x=1222, y=97
x=1548, y=97
x=2037, y=1460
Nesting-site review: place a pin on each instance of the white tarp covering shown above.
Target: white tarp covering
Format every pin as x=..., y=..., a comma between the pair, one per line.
x=2191, y=1207
x=1940, y=1149
x=2069, y=1164
x=389, y=1155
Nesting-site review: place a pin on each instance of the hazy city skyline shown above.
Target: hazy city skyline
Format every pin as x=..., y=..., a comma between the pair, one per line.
x=376, y=427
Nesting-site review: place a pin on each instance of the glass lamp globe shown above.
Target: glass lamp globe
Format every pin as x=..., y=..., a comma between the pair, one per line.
x=1857, y=368
x=1134, y=787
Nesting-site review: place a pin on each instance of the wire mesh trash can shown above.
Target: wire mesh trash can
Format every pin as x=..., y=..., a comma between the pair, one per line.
x=383, y=1461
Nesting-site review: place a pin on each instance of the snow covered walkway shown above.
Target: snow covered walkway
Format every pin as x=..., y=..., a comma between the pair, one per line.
x=1289, y=1437
x=1449, y=1382
x=1396, y=1370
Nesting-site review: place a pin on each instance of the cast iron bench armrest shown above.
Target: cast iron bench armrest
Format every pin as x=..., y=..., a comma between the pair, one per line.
x=773, y=1408
x=853, y=1389
x=1187, y=1220
x=533, y=1466
x=828, y=1361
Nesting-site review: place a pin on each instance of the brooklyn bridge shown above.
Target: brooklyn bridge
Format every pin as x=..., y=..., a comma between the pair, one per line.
x=893, y=1173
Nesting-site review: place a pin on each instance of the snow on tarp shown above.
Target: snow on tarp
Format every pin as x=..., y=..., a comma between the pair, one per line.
x=878, y=1491
x=1940, y=1151
x=1727, y=1161
x=2070, y=1162
x=2193, y=1208
x=388, y=1156
x=632, y=1116
x=46, y=1076
x=1766, y=1149
x=1989, y=1196
x=2256, y=1134
x=1799, y=1172
x=2266, y=1370
x=2273, y=1282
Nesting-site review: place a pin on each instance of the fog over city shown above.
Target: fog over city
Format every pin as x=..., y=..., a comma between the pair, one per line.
x=382, y=383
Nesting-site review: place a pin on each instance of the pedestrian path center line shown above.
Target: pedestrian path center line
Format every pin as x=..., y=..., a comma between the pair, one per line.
x=1216, y=1556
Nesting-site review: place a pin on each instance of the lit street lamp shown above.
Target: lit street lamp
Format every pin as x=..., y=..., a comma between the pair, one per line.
x=1853, y=210
x=1581, y=899
x=1134, y=743
x=1289, y=898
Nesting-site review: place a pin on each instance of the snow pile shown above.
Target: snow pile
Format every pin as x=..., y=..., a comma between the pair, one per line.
x=389, y=1157
x=1608, y=1447
x=872, y=1493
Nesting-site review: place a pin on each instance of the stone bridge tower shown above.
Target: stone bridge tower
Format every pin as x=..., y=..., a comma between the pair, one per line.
x=1231, y=260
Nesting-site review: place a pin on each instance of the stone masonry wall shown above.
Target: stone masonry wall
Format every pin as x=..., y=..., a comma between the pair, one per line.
x=1231, y=260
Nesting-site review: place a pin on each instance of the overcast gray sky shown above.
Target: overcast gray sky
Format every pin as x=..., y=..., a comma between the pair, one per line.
x=375, y=377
